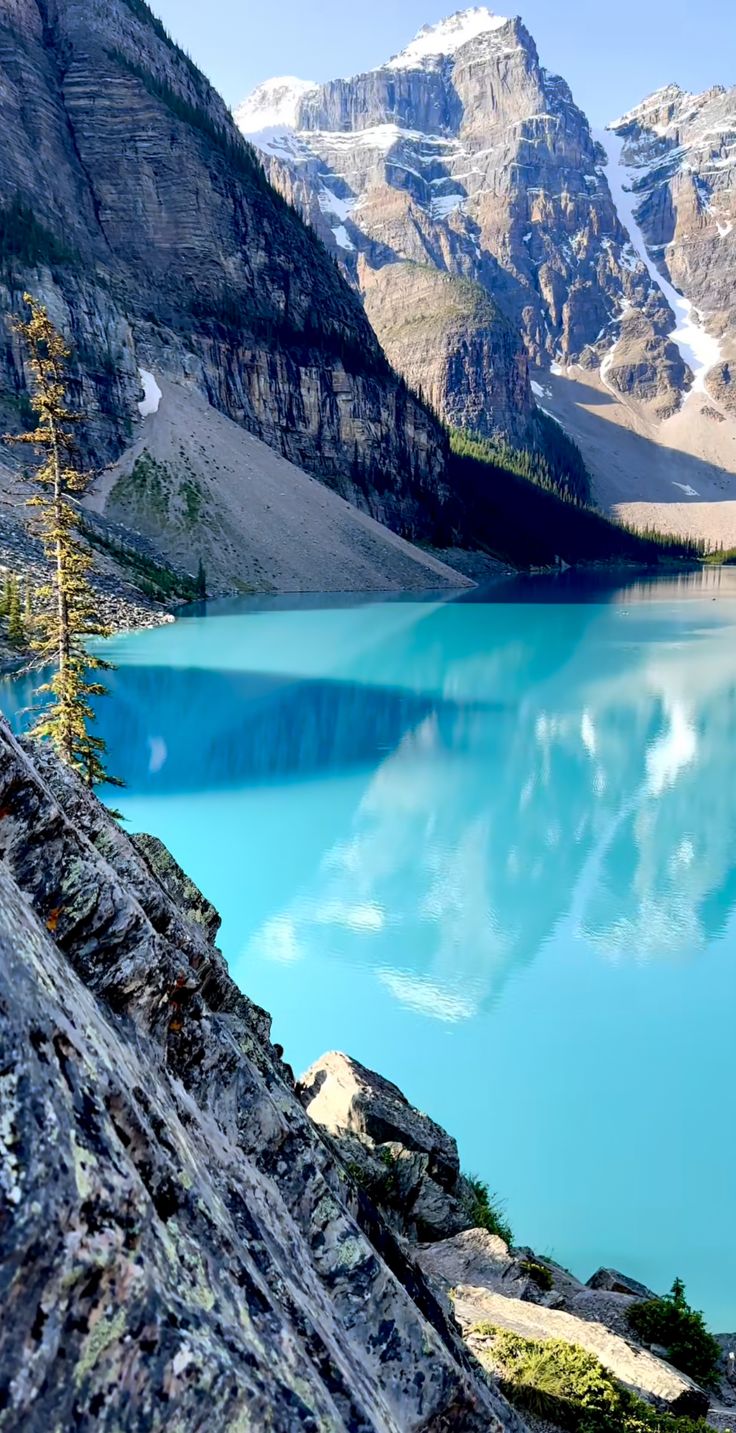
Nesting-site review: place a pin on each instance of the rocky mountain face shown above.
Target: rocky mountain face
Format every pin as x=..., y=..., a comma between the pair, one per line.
x=130, y=204
x=466, y=198
x=680, y=152
x=178, y=1243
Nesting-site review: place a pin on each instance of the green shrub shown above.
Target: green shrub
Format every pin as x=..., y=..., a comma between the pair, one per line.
x=722, y=557
x=25, y=239
x=155, y=579
x=565, y=1384
x=484, y=1210
x=539, y=1274
x=673, y=1325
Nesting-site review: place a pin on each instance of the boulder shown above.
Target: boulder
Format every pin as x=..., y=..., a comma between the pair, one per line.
x=473, y=1257
x=341, y=1094
x=654, y=1380
x=726, y=1396
x=618, y=1283
x=407, y=1164
x=602, y=1306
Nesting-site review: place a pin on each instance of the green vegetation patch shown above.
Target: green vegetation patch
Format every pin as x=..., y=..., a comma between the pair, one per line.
x=670, y=1323
x=539, y=1274
x=555, y=464
x=722, y=557
x=485, y=1210
x=16, y=611
x=26, y=240
x=193, y=499
x=146, y=490
x=155, y=579
x=526, y=519
x=570, y=1387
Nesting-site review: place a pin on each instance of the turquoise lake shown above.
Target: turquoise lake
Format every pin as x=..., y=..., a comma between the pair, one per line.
x=487, y=845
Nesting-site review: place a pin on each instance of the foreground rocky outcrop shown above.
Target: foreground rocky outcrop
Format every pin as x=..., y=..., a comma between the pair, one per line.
x=407, y=1164
x=178, y=1245
x=409, y=1167
x=186, y=1236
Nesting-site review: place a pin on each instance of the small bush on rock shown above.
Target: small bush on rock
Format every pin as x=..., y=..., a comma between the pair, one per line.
x=539, y=1274
x=673, y=1325
x=569, y=1387
x=484, y=1209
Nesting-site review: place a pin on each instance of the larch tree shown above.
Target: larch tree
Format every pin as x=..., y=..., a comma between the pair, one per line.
x=16, y=630
x=64, y=616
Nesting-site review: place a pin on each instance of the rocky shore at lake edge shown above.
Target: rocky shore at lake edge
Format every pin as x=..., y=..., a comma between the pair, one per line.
x=190, y=1236
x=122, y=605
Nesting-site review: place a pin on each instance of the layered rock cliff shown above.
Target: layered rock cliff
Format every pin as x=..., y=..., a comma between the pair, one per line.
x=130, y=204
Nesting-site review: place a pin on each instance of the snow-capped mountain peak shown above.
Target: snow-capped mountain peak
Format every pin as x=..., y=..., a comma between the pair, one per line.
x=434, y=42
x=272, y=105
x=666, y=94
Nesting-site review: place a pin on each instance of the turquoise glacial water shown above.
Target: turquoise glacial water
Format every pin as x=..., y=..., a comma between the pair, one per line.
x=488, y=846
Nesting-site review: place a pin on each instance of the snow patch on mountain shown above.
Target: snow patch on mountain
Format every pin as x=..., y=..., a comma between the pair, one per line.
x=699, y=349
x=342, y=237
x=273, y=105
x=279, y=143
x=331, y=203
x=152, y=395
x=434, y=42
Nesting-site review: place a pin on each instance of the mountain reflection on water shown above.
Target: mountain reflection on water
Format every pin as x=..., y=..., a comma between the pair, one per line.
x=442, y=808
x=523, y=764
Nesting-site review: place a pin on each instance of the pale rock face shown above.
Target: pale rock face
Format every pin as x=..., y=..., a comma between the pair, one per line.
x=680, y=151
x=653, y=1379
x=407, y=1164
x=464, y=155
x=342, y=1094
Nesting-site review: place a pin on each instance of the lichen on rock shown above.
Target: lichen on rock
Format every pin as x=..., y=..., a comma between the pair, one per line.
x=178, y=1245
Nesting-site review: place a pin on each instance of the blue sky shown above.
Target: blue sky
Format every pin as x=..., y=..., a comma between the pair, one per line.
x=612, y=57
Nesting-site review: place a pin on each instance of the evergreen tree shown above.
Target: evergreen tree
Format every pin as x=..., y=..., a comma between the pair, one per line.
x=201, y=582
x=5, y=595
x=28, y=604
x=16, y=630
x=66, y=615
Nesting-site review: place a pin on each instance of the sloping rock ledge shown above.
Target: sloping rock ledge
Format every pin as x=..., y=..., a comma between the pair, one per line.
x=188, y=1238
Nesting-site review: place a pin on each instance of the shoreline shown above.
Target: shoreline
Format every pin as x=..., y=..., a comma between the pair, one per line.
x=124, y=608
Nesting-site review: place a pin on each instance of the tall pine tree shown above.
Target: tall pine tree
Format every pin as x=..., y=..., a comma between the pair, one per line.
x=65, y=609
x=16, y=630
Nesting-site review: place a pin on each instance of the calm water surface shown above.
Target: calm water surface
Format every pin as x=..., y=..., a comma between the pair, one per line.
x=487, y=846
